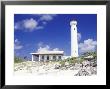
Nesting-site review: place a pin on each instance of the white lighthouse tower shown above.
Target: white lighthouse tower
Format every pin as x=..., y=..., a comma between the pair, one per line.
x=74, y=40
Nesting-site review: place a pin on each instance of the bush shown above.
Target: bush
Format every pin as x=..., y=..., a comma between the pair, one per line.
x=69, y=60
x=17, y=60
x=81, y=60
x=62, y=63
x=94, y=54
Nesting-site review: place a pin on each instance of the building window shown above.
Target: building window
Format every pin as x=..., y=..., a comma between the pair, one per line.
x=54, y=57
x=43, y=57
x=59, y=57
x=37, y=55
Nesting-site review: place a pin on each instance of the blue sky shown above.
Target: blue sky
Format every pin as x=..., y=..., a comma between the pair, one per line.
x=40, y=32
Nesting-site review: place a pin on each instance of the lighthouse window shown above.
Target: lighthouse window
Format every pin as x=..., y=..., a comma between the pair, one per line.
x=74, y=28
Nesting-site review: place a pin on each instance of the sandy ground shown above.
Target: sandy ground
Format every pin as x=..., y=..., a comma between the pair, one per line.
x=42, y=68
x=37, y=68
x=52, y=73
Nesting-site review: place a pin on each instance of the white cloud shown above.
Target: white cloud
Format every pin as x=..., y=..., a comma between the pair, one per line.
x=39, y=27
x=42, y=47
x=87, y=46
x=28, y=25
x=56, y=49
x=79, y=36
x=47, y=17
x=44, y=22
x=17, y=44
x=40, y=44
x=32, y=24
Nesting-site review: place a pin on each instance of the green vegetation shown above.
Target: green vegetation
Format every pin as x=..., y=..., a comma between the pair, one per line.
x=80, y=59
x=17, y=60
x=71, y=61
x=94, y=54
x=62, y=63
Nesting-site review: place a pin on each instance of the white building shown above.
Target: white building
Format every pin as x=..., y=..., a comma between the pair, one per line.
x=74, y=40
x=47, y=55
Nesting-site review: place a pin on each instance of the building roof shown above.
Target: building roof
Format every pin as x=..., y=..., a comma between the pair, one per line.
x=49, y=52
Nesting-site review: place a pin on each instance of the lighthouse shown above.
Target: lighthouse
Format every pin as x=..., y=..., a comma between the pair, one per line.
x=74, y=40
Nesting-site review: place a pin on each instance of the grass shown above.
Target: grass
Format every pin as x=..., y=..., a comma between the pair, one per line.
x=62, y=63
x=69, y=60
x=18, y=60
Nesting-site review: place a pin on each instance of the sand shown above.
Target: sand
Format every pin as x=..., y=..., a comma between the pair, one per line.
x=44, y=68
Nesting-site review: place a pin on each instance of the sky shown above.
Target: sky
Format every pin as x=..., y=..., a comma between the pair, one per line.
x=43, y=32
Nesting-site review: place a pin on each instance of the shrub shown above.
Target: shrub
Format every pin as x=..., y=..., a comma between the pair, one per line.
x=62, y=63
x=81, y=60
x=17, y=60
x=69, y=60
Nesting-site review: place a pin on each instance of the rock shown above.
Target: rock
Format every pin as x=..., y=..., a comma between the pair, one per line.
x=93, y=63
x=86, y=63
x=71, y=68
x=63, y=68
x=77, y=66
x=88, y=68
x=87, y=71
x=66, y=64
x=57, y=66
x=93, y=70
x=82, y=72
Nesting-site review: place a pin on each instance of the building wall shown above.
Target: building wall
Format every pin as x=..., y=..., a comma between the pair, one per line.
x=47, y=57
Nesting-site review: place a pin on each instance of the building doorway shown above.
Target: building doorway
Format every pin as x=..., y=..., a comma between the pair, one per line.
x=48, y=57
